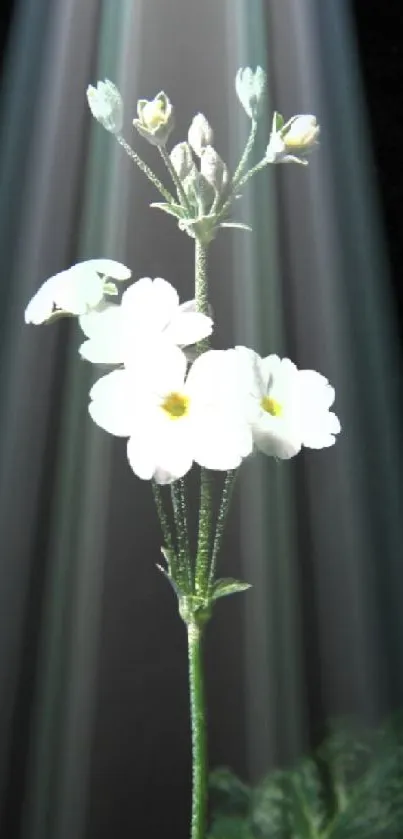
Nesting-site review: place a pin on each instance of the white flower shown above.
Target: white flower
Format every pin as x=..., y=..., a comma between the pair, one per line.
x=250, y=87
x=294, y=140
x=76, y=291
x=106, y=105
x=149, y=312
x=286, y=407
x=200, y=134
x=173, y=419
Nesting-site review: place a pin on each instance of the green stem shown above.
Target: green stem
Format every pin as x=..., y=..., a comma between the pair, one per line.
x=201, y=287
x=179, y=508
x=241, y=182
x=236, y=178
x=204, y=535
x=180, y=190
x=259, y=166
x=221, y=519
x=166, y=530
x=145, y=169
x=245, y=157
x=198, y=723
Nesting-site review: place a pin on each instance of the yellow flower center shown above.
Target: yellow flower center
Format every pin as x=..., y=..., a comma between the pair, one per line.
x=271, y=406
x=154, y=114
x=176, y=405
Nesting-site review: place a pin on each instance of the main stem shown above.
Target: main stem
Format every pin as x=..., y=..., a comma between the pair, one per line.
x=197, y=705
x=199, y=745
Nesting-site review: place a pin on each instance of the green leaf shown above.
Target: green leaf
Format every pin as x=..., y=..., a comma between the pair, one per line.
x=228, y=794
x=236, y=224
x=308, y=812
x=172, y=209
x=278, y=122
x=110, y=288
x=270, y=808
x=348, y=754
x=227, y=586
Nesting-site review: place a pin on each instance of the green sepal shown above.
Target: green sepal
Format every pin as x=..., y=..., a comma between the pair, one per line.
x=236, y=224
x=278, y=122
x=222, y=588
x=172, y=209
x=110, y=288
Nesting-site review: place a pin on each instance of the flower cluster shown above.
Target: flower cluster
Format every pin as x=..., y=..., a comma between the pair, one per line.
x=176, y=401
x=205, y=188
x=214, y=411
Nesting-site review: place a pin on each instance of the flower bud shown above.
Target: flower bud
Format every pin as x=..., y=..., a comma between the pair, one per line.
x=199, y=192
x=106, y=105
x=155, y=119
x=294, y=140
x=250, y=88
x=302, y=133
x=200, y=134
x=213, y=169
x=182, y=160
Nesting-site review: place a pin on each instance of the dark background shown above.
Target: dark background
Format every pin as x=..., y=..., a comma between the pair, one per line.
x=380, y=44
x=380, y=40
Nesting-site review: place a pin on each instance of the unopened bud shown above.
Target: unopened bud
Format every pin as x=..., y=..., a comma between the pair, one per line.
x=182, y=160
x=250, y=87
x=213, y=168
x=106, y=105
x=200, y=134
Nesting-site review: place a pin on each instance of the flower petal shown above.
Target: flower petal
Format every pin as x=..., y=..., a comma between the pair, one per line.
x=108, y=268
x=105, y=330
x=276, y=438
x=188, y=328
x=141, y=457
x=150, y=304
x=93, y=322
x=221, y=440
x=113, y=406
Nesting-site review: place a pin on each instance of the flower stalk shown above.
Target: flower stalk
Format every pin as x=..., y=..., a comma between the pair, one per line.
x=145, y=169
x=175, y=177
x=245, y=156
x=221, y=519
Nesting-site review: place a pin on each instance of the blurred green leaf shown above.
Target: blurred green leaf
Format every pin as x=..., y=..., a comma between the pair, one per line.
x=228, y=794
x=270, y=808
x=227, y=827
